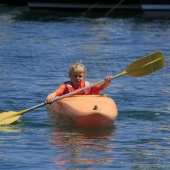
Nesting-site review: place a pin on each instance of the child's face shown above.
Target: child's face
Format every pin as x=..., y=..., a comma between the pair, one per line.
x=77, y=78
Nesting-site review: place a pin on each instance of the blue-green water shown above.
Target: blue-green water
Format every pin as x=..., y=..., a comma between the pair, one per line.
x=35, y=53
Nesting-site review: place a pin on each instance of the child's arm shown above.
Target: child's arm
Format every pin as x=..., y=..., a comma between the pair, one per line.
x=50, y=97
x=108, y=80
x=58, y=92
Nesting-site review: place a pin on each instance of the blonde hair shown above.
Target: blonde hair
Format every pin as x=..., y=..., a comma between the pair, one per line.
x=77, y=67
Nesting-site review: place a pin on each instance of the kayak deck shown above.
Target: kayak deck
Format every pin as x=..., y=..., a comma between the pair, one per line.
x=87, y=111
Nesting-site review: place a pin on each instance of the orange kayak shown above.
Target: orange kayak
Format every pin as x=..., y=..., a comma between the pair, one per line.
x=86, y=111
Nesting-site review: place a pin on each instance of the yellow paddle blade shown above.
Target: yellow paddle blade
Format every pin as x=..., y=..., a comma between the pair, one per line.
x=145, y=65
x=10, y=117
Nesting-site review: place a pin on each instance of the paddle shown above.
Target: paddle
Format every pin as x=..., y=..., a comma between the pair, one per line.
x=138, y=68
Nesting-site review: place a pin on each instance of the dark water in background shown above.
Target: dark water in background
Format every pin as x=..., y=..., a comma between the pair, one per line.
x=35, y=52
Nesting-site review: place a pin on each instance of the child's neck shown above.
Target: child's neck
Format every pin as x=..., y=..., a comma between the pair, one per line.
x=76, y=86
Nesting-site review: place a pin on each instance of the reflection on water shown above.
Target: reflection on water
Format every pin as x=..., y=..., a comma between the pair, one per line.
x=11, y=128
x=84, y=146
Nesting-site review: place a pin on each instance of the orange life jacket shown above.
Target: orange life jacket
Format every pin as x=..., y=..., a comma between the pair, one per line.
x=70, y=87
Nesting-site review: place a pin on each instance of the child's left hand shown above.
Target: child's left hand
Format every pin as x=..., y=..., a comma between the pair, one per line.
x=108, y=78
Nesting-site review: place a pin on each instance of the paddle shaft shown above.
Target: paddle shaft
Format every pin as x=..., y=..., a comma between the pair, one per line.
x=71, y=93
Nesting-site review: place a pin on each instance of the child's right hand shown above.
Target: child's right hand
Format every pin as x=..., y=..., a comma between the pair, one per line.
x=50, y=98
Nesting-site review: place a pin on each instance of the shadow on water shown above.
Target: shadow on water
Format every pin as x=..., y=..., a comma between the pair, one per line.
x=86, y=133
x=47, y=16
x=25, y=14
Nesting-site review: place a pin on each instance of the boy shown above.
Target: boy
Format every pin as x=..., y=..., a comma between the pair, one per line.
x=77, y=73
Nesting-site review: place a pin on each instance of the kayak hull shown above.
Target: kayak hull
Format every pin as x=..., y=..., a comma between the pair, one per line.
x=86, y=111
